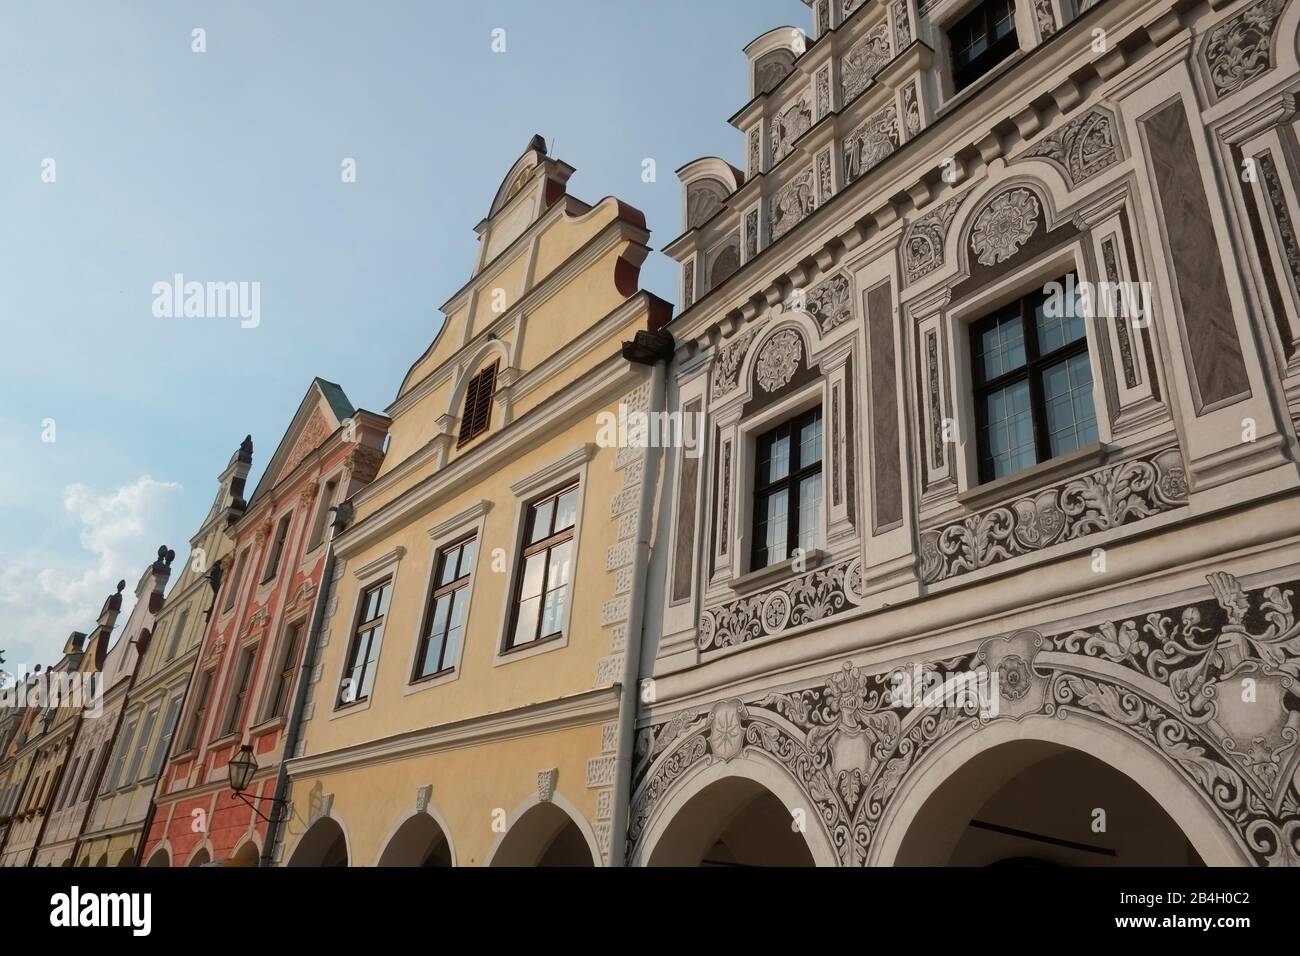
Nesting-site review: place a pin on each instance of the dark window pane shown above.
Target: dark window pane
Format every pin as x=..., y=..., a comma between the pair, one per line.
x=1000, y=348
x=1008, y=438
x=810, y=507
x=1067, y=395
x=810, y=440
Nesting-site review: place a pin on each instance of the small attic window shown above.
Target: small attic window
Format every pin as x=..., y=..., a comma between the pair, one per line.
x=477, y=414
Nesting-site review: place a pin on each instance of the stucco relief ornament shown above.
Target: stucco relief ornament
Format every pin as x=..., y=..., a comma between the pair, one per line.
x=726, y=373
x=1240, y=48
x=923, y=249
x=1003, y=226
x=788, y=127
x=791, y=204
x=726, y=733
x=1083, y=147
x=779, y=360
x=829, y=302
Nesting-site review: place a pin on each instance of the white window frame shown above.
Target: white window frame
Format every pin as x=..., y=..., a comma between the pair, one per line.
x=385, y=565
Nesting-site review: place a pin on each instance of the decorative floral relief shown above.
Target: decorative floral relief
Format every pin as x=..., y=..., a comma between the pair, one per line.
x=779, y=360
x=923, y=249
x=751, y=234
x=830, y=302
x=1045, y=18
x=754, y=152
x=1281, y=213
x=824, y=175
x=1083, y=147
x=815, y=596
x=726, y=372
x=902, y=25
x=1004, y=225
x=911, y=110
x=1120, y=318
x=823, y=92
x=703, y=200
x=823, y=17
x=789, y=125
x=1172, y=684
x=688, y=275
x=1106, y=498
x=932, y=377
x=791, y=204
x=864, y=61
x=1240, y=48
x=848, y=8
x=871, y=142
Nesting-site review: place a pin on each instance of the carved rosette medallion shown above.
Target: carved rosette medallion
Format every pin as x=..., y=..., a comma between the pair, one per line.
x=779, y=360
x=1004, y=226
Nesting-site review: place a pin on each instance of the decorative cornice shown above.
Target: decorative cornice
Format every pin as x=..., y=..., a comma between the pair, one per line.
x=468, y=516
x=554, y=471
x=381, y=564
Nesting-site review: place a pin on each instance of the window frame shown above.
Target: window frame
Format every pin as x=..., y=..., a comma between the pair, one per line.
x=464, y=582
x=998, y=52
x=236, y=709
x=470, y=426
x=567, y=535
x=181, y=619
x=791, y=482
x=275, y=554
x=236, y=579
x=1031, y=371
x=955, y=330
x=379, y=622
x=199, y=710
x=292, y=640
x=320, y=521
x=161, y=750
x=152, y=712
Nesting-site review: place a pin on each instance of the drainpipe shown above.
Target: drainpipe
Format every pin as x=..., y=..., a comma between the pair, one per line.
x=636, y=600
x=342, y=515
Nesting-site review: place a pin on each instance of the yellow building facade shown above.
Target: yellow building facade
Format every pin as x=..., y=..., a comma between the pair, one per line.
x=471, y=701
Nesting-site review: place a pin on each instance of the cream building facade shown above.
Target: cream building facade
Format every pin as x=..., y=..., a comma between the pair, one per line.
x=114, y=828
x=978, y=568
x=471, y=700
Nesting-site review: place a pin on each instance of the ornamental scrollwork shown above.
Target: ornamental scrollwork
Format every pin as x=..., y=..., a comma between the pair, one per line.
x=1004, y=225
x=1083, y=147
x=1106, y=498
x=1240, y=48
x=830, y=302
x=864, y=61
x=791, y=204
x=870, y=143
x=815, y=596
x=789, y=125
x=1173, y=685
x=726, y=373
x=779, y=360
x=923, y=249
x=704, y=199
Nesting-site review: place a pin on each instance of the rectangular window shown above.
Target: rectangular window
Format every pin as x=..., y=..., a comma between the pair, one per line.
x=233, y=589
x=278, y=701
x=178, y=633
x=141, y=745
x=164, y=744
x=322, y=515
x=66, y=785
x=788, y=490
x=99, y=767
x=238, y=703
x=981, y=40
x=367, y=638
x=119, y=759
x=1033, y=383
x=277, y=548
x=202, y=691
x=543, y=595
x=477, y=414
x=445, y=617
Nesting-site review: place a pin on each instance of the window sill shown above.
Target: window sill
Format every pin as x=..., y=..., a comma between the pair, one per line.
x=522, y=651
x=754, y=580
x=266, y=726
x=1031, y=479
x=184, y=755
x=352, y=707
x=224, y=740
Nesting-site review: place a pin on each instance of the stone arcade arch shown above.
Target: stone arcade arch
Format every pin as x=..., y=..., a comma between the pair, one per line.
x=200, y=858
x=546, y=834
x=246, y=855
x=991, y=770
x=159, y=858
x=127, y=858
x=324, y=844
x=744, y=812
x=420, y=841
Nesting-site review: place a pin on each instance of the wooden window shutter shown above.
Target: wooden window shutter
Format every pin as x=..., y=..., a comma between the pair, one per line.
x=477, y=414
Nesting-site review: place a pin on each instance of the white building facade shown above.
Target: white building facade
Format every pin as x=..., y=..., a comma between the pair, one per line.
x=991, y=556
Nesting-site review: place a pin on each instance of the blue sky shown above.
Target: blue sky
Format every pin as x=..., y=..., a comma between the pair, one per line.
x=225, y=166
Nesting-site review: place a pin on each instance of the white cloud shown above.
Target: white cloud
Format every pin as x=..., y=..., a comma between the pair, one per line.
x=42, y=600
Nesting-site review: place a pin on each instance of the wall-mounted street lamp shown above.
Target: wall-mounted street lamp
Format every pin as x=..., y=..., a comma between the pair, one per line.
x=242, y=766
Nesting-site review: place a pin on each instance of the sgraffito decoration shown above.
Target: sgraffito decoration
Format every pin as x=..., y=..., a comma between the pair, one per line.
x=1106, y=498
x=923, y=247
x=1241, y=48
x=1170, y=680
x=1004, y=225
x=1083, y=147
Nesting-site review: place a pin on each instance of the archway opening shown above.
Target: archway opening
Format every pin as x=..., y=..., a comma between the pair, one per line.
x=733, y=822
x=418, y=842
x=246, y=855
x=127, y=858
x=1039, y=804
x=159, y=858
x=322, y=845
x=200, y=858
x=102, y=861
x=544, y=836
